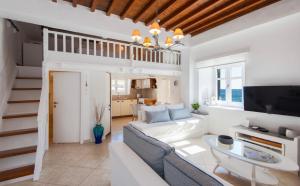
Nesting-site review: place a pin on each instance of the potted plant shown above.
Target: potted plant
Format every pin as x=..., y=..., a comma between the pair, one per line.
x=195, y=107
x=98, y=129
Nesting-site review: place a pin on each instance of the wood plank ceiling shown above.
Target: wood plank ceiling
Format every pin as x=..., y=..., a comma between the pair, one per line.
x=192, y=16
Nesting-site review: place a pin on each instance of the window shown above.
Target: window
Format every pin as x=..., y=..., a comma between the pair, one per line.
x=120, y=87
x=229, y=84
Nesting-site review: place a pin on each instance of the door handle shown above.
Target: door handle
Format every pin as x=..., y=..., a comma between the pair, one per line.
x=54, y=104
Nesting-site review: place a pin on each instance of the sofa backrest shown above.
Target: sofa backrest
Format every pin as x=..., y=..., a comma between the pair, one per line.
x=151, y=150
x=179, y=172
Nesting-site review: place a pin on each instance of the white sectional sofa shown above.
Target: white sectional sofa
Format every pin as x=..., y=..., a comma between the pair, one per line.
x=148, y=157
x=143, y=160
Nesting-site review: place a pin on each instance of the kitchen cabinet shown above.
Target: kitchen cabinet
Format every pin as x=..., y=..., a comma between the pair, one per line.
x=139, y=84
x=115, y=108
x=143, y=83
x=122, y=107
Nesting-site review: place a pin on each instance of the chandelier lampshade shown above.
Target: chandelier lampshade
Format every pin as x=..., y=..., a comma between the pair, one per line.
x=147, y=42
x=168, y=41
x=154, y=28
x=178, y=34
x=136, y=35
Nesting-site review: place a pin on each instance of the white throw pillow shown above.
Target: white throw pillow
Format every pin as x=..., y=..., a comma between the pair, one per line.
x=175, y=106
x=151, y=109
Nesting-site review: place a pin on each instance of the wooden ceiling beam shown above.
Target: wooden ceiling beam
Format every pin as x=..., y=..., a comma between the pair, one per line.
x=160, y=12
x=126, y=9
x=194, y=13
x=217, y=12
x=94, y=5
x=74, y=3
x=143, y=10
x=110, y=8
x=255, y=6
x=178, y=11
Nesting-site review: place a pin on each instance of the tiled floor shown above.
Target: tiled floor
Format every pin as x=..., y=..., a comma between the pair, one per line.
x=75, y=164
x=88, y=164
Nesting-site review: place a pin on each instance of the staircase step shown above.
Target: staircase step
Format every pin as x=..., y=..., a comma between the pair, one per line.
x=21, y=108
x=20, y=77
x=18, y=132
x=25, y=95
x=18, y=124
x=17, y=172
x=24, y=101
x=27, y=71
x=18, y=141
x=17, y=161
x=25, y=83
x=26, y=88
x=16, y=152
x=19, y=115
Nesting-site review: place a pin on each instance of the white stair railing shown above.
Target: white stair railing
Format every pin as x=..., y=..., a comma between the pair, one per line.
x=62, y=42
x=42, y=120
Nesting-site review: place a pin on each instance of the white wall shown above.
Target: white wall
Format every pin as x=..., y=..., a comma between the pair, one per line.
x=8, y=59
x=273, y=60
x=32, y=54
x=168, y=90
x=187, y=77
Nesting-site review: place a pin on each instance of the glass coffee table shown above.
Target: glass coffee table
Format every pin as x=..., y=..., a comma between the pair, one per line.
x=249, y=161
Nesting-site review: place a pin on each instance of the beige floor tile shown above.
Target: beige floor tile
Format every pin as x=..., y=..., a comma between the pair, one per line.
x=30, y=183
x=51, y=172
x=98, y=177
x=73, y=176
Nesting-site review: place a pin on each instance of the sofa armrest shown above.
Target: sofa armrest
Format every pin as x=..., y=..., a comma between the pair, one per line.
x=128, y=169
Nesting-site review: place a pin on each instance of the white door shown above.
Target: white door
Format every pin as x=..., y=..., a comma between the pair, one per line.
x=107, y=103
x=100, y=95
x=66, y=112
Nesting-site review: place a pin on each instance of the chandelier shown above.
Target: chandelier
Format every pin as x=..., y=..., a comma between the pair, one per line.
x=155, y=31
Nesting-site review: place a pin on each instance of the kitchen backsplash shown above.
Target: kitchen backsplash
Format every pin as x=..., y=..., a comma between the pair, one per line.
x=145, y=93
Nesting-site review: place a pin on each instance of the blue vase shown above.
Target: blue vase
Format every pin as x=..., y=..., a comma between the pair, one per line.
x=98, y=133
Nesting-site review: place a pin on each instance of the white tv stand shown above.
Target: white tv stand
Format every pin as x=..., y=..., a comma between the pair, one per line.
x=285, y=146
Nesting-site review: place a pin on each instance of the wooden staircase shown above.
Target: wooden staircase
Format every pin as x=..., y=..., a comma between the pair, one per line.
x=18, y=134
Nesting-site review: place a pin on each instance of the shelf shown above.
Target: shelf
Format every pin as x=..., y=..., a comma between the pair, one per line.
x=284, y=146
x=279, y=150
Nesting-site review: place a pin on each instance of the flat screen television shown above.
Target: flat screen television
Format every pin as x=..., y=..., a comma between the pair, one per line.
x=284, y=100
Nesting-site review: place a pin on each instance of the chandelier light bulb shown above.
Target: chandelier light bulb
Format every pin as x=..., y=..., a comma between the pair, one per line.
x=136, y=35
x=178, y=34
x=154, y=28
x=168, y=41
x=147, y=42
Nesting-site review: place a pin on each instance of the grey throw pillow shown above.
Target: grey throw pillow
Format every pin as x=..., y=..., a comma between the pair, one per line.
x=176, y=114
x=157, y=116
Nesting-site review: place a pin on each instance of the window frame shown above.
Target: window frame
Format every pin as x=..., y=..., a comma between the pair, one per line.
x=228, y=99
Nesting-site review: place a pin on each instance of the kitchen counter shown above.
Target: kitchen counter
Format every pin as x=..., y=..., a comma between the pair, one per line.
x=121, y=99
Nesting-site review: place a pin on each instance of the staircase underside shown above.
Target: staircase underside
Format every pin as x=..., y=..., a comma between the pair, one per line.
x=18, y=135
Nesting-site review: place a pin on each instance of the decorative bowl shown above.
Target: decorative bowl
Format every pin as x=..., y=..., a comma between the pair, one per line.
x=227, y=140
